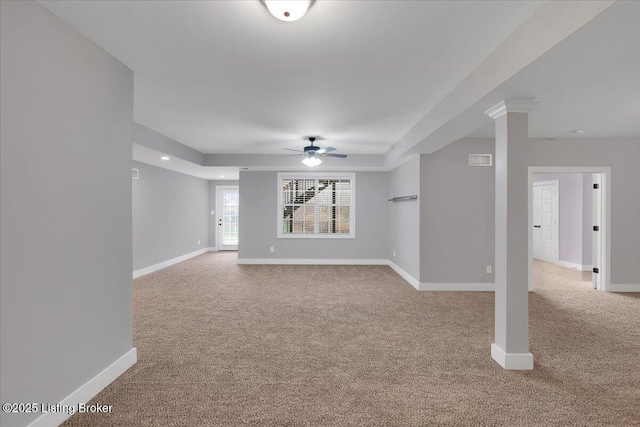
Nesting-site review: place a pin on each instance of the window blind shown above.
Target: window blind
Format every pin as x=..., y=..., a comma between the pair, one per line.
x=318, y=206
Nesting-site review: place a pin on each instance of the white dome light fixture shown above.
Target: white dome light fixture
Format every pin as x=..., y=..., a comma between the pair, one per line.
x=312, y=161
x=288, y=10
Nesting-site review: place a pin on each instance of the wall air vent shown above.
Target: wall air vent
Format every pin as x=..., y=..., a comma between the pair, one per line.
x=480, y=159
x=135, y=173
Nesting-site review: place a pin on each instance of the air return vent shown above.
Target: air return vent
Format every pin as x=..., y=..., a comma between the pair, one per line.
x=135, y=173
x=480, y=159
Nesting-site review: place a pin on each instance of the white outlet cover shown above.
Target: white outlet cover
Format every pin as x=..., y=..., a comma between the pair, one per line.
x=213, y=212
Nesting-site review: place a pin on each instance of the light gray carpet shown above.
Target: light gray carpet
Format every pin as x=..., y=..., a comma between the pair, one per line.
x=224, y=344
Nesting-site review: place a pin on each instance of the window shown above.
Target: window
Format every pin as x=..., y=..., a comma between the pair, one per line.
x=316, y=205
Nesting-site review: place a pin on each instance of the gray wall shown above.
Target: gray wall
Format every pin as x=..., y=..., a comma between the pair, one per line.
x=258, y=222
x=457, y=205
x=457, y=218
x=622, y=156
x=170, y=215
x=404, y=217
x=66, y=289
x=212, y=207
x=575, y=211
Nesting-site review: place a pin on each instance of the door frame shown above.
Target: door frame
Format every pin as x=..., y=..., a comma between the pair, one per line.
x=218, y=216
x=556, y=226
x=597, y=206
x=605, y=240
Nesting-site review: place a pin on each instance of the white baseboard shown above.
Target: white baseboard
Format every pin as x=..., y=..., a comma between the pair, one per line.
x=465, y=287
x=213, y=249
x=623, y=287
x=486, y=287
x=302, y=261
x=165, y=264
x=295, y=261
x=512, y=361
x=406, y=276
x=88, y=391
x=574, y=266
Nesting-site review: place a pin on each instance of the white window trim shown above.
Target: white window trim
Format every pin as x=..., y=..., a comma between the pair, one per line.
x=315, y=175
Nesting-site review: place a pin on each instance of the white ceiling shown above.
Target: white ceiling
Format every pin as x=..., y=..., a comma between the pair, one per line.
x=226, y=77
x=589, y=82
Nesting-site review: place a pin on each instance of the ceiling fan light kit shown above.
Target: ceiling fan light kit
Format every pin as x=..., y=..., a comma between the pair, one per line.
x=312, y=153
x=288, y=10
x=312, y=162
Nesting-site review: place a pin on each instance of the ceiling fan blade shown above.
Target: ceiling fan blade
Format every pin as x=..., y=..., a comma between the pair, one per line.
x=291, y=149
x=293, y=155
x=341, y=156
x=325, y=150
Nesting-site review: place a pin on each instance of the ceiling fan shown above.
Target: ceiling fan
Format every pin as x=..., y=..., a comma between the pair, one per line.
x=313, y=153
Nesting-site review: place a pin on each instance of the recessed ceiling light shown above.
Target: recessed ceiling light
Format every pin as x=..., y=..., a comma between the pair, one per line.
x=578, y=132
x=221, y=176
x=165, y=158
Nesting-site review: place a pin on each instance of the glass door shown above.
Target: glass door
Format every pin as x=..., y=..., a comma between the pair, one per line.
x=227, y=208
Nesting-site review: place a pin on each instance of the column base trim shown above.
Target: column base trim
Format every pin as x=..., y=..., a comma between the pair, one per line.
x=512, y=361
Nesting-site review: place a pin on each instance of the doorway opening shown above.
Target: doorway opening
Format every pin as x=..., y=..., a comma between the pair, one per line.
x=569, y=222
x=227, y=217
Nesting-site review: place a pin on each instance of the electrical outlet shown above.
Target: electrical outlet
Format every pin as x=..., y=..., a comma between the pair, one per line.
x=488, y=269
x=213, y=212
x=272, y=249
x=394, y=254
x=198, y=242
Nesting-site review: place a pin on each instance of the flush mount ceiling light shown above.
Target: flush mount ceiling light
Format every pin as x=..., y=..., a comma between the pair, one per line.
x=165, y=158
x=578, y=132
x=288, y=10
x=312, y=161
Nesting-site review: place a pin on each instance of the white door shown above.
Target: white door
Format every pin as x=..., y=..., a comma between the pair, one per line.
x=227, y=210
x=545, y=221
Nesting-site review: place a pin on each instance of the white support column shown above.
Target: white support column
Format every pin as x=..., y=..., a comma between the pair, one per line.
x=511, y=346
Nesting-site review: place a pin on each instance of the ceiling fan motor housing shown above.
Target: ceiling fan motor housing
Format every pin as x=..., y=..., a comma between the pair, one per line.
x=311, y=147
